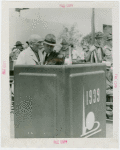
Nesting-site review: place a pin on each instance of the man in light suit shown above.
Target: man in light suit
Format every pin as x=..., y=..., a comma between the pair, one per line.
x=31, y=55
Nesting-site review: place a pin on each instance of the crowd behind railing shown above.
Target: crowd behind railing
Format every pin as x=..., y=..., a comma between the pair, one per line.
x=39, y=51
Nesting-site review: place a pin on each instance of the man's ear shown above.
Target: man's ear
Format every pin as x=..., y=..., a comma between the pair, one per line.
x=31, y=45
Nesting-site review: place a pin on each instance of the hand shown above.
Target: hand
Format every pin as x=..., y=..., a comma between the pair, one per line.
x=92, y=48
x=60, y=56
x=67, y=61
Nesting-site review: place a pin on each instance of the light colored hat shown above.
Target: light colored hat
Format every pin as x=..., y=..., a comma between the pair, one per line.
x=65, y=42
x=99, y=35
x=35, y=38
x=50, y=39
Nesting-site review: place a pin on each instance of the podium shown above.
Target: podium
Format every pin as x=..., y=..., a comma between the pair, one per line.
x=60, y=101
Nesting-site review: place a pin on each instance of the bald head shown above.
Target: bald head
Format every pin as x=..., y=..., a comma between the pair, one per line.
x=35, y=38
x=35, y=42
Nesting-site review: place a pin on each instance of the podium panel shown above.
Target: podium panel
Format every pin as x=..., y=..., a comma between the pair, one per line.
x=88, y=101
x=60, y=101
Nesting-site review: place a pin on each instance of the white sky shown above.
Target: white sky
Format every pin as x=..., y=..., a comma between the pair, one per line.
x=54, y=18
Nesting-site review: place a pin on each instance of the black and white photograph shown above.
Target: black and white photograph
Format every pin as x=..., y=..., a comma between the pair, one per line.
x=60, y=68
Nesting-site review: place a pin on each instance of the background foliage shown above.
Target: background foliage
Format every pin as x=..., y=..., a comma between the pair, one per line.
x=70, y=34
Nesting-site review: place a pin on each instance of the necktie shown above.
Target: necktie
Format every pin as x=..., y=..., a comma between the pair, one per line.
x=46, y=57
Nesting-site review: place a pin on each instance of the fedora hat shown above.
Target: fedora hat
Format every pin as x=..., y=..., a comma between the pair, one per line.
x=18, y=43
x=99, y=35
x=50, y=39
x=64, y=42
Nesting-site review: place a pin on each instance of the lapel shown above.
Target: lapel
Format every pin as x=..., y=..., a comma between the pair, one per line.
x=49, y=57
x=98, y=54
x=42, y=55
x=32, y=55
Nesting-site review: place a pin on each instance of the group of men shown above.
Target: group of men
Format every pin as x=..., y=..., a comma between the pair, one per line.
x=41, y=51
x=97, y=54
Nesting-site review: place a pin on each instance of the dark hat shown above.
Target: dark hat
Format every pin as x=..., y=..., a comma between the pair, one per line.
x=109, y=37
x=65, y=42
x=18, y=43
x=27, y=42
x=50, y=39
x=99, y=35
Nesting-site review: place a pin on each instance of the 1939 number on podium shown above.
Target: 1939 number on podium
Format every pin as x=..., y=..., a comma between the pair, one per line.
x=92, y=96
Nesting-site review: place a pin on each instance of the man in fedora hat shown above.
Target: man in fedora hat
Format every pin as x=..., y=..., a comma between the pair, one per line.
x=64, y=51
x=95, y=54
x=16, y=51
x=65, y=48
x=51, y=57
x=85, y=48
x=108, y=49
x=30, y=56
x=19, y=45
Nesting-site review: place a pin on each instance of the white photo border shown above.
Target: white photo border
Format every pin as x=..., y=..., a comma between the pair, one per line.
x=6, y=141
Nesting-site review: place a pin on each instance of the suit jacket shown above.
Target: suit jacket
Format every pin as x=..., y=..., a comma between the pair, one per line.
x=108, y=53
x=27, y=57
x=65, y=53
x=14, y=54
x=53, y=59
x=97, y=55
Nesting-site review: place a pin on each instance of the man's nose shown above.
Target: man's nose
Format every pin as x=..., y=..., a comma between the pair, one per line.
x=41, y=46
x=49, y=47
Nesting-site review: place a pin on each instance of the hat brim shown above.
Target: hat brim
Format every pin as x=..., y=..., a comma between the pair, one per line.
x=49, y=43
x=99, y=37
x=109, y=39
x=19, y=45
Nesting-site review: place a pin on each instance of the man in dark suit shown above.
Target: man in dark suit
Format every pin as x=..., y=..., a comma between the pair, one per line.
x=51, y=57
x=16, y=51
